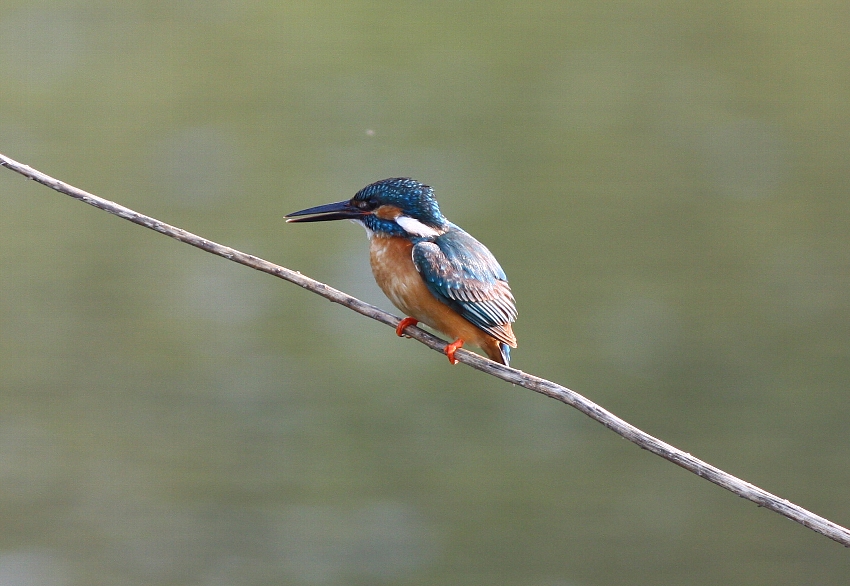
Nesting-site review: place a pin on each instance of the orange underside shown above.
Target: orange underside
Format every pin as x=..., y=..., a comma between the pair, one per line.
x=396, y=275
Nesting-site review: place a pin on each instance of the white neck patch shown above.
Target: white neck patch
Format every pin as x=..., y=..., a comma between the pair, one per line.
x=416, y=228
x=369, y=233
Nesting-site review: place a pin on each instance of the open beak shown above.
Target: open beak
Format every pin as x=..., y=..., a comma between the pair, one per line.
x=341, y=210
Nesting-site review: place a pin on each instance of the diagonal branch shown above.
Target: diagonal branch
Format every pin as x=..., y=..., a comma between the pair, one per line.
x=511, y=375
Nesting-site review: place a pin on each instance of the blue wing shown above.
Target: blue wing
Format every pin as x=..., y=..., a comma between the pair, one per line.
x=464, y=275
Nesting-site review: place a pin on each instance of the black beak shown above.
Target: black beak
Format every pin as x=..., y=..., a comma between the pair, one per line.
x=341, y=210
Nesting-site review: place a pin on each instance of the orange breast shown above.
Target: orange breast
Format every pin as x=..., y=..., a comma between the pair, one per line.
x=396, y=275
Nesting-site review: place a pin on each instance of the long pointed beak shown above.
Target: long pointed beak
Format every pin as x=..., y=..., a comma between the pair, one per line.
x=341, y=210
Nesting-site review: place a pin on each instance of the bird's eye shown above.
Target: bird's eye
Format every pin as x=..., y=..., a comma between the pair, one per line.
x=365, y=204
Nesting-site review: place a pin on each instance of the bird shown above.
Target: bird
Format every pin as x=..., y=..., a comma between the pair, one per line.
x=431, y=269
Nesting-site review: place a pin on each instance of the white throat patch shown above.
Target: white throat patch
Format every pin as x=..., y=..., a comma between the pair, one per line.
x=369, y=233
x=416, y=228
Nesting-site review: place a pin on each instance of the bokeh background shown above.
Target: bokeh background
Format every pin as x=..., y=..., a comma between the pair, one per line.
x=665, y=183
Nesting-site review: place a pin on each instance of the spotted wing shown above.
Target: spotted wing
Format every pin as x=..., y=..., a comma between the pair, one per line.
x=464, y=275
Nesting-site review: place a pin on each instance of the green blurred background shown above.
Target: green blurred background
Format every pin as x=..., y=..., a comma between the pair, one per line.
x=665, y=183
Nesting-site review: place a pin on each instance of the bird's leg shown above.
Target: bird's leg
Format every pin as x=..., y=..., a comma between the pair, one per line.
x=450, y=350
x=408, y=321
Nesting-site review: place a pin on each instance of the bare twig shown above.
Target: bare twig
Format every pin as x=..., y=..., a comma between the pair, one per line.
x=511, y=375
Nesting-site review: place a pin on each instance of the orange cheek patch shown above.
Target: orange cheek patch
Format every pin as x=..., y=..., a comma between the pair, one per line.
x=388, y=212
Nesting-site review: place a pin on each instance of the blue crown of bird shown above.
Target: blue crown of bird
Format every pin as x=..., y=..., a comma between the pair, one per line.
x=430, y=269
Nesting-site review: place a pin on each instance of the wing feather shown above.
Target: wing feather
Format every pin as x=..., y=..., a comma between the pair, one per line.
x=464, y=275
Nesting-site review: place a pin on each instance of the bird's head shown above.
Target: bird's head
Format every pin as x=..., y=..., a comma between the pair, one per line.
x=390, y=207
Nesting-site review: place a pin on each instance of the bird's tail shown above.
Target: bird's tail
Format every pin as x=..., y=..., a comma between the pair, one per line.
x=506, y=353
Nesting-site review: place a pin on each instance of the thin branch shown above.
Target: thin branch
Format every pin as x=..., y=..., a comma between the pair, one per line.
x=511, y=375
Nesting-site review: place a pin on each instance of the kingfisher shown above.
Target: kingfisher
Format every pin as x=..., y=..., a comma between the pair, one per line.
x=428, y=267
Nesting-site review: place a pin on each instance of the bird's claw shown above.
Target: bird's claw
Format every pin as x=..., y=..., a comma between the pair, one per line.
x=451, y=348
x=408, y=321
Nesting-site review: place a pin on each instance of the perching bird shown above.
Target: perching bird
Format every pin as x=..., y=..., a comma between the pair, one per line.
x=429, y=268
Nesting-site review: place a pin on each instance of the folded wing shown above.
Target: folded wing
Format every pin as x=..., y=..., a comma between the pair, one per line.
x=464, y=275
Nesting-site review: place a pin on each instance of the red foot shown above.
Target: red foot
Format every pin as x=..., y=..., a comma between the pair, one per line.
x=408, y=321
x=450, y=350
